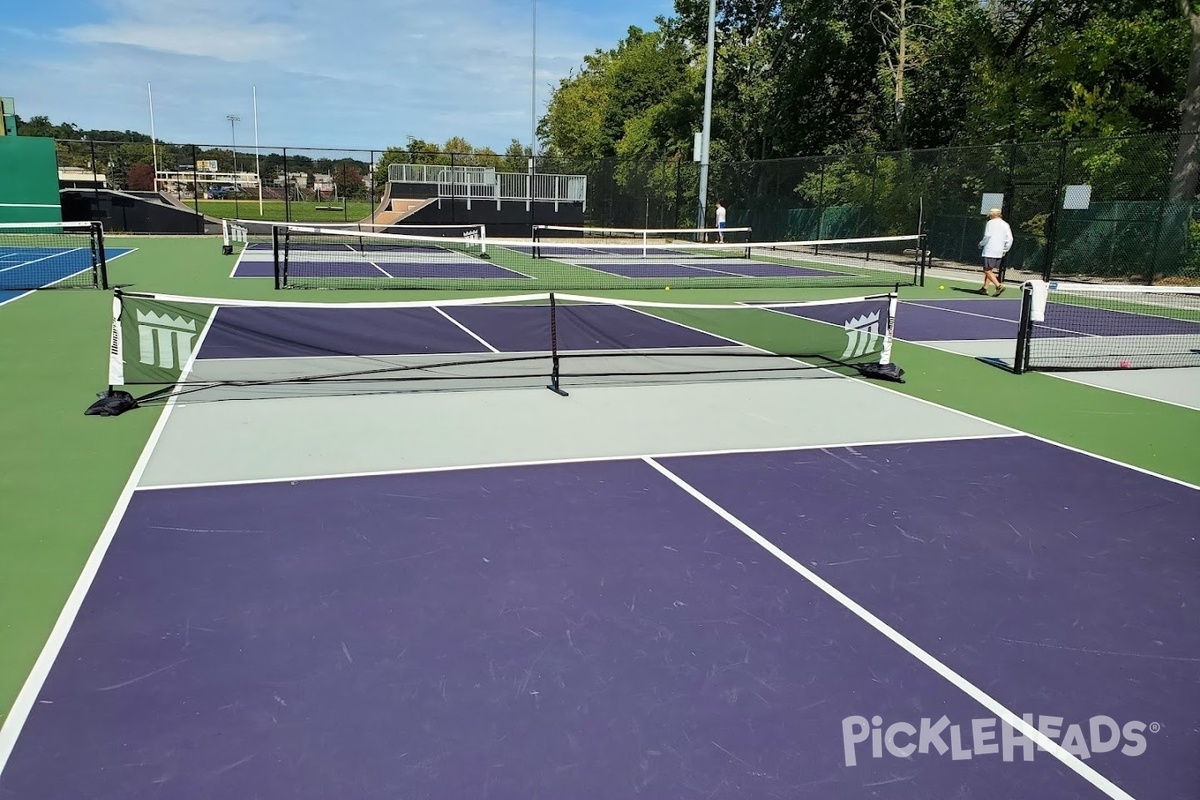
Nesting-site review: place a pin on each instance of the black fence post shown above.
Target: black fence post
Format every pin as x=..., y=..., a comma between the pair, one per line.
x=95, y=178
x=820, y=206
x=1052, y=235
x=678, y=191
x=371, y=185
x=871, y=216
x=1152, y=266
x=196, y=191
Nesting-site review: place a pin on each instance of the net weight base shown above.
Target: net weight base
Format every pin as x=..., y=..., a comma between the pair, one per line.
x=112, y=404
x=885, y=372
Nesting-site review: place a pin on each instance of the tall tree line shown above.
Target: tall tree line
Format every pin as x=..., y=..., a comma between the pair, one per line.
x=804, y=77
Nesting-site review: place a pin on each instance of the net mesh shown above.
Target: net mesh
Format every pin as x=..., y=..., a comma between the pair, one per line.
x=213, y=349
x=1105, y=327
x=309, y=257
x=43, y=255
x=258, y=235
x=640, y=235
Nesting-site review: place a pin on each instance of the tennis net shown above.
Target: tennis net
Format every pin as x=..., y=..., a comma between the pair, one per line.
x=1073, y=326
x=204, y=349
x=45, y=255
x=327, y=258
x=259, y=234
x=644, y=236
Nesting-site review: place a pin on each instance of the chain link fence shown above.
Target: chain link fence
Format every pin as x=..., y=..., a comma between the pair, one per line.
x=1087, y=210
x=1081, y=210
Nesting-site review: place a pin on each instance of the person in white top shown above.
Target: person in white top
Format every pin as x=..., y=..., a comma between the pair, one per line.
x=720, y=222
x=996, y=241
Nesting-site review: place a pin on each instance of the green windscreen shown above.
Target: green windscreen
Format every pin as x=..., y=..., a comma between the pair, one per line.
x=28, y=180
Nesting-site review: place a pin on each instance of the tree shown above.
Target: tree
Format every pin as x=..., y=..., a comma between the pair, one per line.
x=646, y=74
x=1187, y=159
x=516, y=157
x=348, y=179
x=1080, y=68
x=140, y=178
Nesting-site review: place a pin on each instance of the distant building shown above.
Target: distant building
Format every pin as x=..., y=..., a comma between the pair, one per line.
x=81, y=178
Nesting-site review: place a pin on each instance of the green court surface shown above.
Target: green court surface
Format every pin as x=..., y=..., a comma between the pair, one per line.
x=61, y=472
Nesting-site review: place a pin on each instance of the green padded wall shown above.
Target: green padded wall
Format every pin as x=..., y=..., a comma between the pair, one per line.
x=29, y=180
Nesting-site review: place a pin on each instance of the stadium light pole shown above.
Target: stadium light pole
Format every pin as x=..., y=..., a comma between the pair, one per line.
x=257, y=167
x=533, y=102
x=234, y=119
x=706, y=132
x=153, y=138
x=532, y=117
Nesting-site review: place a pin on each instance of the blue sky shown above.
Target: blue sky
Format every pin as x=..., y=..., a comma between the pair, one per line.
x=329, y=73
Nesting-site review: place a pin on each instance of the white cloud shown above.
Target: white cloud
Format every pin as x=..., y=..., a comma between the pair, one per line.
x=366, y=74
x=237, y=45
x=220, y=29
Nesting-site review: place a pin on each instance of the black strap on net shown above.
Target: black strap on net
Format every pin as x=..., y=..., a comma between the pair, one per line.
x=554, y=371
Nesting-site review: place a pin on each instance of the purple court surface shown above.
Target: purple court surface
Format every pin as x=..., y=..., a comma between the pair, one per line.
x=335, y=267
x=592, y=630
x=307, y=332
x=998, y=318
x=716, y=268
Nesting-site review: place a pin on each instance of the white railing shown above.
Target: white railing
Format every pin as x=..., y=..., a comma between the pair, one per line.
x=562, y=188
x=437, y=173
x=484, y=183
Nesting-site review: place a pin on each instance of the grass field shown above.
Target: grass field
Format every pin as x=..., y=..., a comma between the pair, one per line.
x=278, y=211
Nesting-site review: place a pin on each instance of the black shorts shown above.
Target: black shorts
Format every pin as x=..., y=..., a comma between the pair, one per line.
x=992, y=264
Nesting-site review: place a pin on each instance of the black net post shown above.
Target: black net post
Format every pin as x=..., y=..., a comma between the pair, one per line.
x=279, y=277
x=555, y=385
x=99, y=262
x=1021, y=356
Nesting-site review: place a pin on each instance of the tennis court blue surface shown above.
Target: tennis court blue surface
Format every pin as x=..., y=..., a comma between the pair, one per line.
x=22, y=268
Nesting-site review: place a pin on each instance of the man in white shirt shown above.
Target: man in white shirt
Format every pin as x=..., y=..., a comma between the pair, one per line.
x=720, y=222
x=997, y=239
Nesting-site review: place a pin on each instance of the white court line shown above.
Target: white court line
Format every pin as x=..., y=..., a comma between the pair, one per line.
x=1018, y=431
x=1017, y=323
x=577, y=460
x=467, y=330
x=43, y=258
x=1014, y=721
x=588, y=267
x=238, y=263
x=11, y=728
x=937, y=345
x=27, y=292
x=1076, y=380
x=919, y=304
